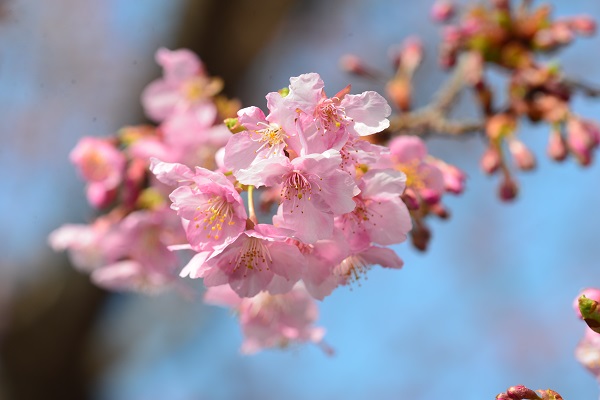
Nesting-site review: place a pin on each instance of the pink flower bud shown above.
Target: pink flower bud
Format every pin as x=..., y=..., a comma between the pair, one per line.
x=503, y=396
x=590, y=293
x=410, y=199
x=491, y=160
x=439, y=210
x=582, y=138
x=557, y=146
x=521, y=392
x=354, y=65
x=399, y=90
x=442, y=10
x=523, y=157
x=508, y=189
x=412, y=54
x=500, y=125
x=584, y=25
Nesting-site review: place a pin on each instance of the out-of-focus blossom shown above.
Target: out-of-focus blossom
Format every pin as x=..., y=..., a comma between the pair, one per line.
x=270, y=321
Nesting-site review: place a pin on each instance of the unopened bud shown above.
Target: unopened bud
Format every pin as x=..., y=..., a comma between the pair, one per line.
x=521, y=392
x=590, y=311
x=582, y=138
x=508, y=189
x=399, y=90
x=442, y=10
x=503, y=396
x=439, y=210
x=354, y=65
x=420, y=237
x=523, y=157
x=550, y=395
x=584, y=25
x=409, y=198
x=500, y=125
x=412, y=54
x=590, y=293
x=557, y=146
x=491, y=160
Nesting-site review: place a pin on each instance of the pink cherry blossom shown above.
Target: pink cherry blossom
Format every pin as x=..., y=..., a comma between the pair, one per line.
x=258, y=259
x=102, y=166
x=355, y=266
x=269, y=321
x=209, y=205
x=321, y=259
x=261, y=140
x=380, y=215
x=184, y=88
x=84, y=243
x=423, y=178
x=313, y=190
x=362, y=114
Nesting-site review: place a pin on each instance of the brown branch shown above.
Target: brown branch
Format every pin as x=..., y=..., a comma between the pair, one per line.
x=433, y=118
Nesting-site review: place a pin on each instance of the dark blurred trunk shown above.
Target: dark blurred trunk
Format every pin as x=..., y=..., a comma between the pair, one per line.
x=43, y=352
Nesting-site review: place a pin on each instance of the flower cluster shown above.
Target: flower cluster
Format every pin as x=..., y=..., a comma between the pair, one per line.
x=126, y=248
x=512, y=38
x=334, y=201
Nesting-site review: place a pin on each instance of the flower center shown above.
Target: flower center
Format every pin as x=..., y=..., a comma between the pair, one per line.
x=273, y=136
x=214, y=216
x=296, y=186
x=352, y=269
x=414, y=178
x=253, y=255
x=330, y=115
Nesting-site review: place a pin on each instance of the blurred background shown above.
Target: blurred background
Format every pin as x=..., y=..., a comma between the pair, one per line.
x=487, y=307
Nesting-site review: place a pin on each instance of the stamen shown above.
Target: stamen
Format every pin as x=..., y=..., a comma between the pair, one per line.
x=218, y=213
x=253, y=255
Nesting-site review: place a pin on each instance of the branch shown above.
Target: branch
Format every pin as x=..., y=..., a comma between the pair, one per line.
x=434, y=116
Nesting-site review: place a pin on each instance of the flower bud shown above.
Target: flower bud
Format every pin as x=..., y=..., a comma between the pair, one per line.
x=500, y=125
x=439, y=210
x=491, y=160
x=590, y=311
x=523, y=157
x=420, y=237
x=582, y=138
x=442, y=10
x=584, y=25
x=508, y=189
x=410, y=199
x=557, y=146
x=521, y=392
x=412, y=54
x=503, y=396
x=550, y=395
x=399, y=90
x=354, y=65
x=590, y=293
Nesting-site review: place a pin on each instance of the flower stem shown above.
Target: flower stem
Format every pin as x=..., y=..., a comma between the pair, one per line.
x=251, y=212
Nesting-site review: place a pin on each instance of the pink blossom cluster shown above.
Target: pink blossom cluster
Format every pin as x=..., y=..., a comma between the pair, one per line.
x=126, y=248
x=330, y=202
x=427, y=180
x=335, y=202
